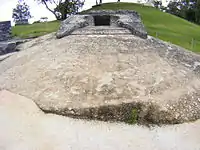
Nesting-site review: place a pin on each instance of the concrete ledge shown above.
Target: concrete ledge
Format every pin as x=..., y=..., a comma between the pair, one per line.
x=10, y=46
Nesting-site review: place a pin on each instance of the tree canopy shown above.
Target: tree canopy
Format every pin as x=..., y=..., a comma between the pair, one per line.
x=187, y=9
x=21, y=12
x=63, y=8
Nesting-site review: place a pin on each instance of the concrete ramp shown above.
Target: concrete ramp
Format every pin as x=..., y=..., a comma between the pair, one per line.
x=24, y=127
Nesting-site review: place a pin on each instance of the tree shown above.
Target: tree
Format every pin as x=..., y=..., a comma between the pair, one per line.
x=157, y=3
x=21, y=12
x=67, y=8
x=187, y=9
x=175, y=8
x=63, y=8
x=99, y=2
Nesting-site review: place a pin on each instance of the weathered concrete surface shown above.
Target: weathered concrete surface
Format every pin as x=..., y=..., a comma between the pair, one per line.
x=121, y=18
x=106, y=77
x=24, y=127
x=11, y=46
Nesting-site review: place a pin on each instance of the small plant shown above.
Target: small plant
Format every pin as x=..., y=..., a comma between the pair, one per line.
x=133, y=117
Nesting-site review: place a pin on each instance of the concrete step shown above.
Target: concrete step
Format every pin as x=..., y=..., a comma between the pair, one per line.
x=101, y=30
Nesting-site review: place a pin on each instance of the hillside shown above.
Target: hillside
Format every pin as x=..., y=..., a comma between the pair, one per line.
x=163, y=25
x=158, y=24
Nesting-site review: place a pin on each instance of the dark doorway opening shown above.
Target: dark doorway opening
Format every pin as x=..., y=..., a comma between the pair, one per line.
x=102, y=20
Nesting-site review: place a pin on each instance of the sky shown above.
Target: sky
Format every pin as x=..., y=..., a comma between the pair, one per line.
x=39, y=10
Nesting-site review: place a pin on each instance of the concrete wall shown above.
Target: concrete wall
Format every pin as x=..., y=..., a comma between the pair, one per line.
x=5, y=30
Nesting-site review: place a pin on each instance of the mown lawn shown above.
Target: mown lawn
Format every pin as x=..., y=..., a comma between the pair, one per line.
x=35, y=30
x=158, y=24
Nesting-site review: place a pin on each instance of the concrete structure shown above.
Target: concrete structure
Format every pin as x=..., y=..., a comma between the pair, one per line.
x=5, y=30
x=122, y=18
x=7, y=44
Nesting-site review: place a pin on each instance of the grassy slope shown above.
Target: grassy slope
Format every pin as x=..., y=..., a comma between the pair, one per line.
x=34, y=30
x=168, y=27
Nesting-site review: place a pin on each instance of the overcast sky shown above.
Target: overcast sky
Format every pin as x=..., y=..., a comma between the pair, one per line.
x=38, y=10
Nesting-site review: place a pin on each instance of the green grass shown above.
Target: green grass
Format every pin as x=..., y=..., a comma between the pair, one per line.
x=35, y=30
x=133, y=117
x=158, y=24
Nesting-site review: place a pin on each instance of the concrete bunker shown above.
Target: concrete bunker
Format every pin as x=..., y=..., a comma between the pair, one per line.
x=121, y=18
x=101, y=20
